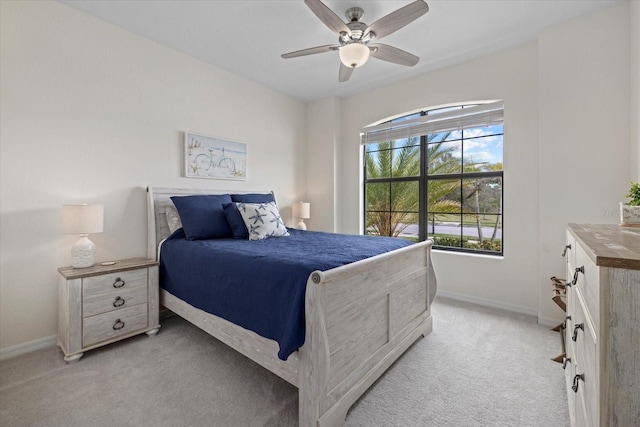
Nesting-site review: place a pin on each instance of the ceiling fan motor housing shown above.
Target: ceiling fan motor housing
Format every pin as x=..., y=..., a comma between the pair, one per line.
x=354, y=14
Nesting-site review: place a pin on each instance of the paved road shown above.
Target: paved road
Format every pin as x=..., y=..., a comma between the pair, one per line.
x=454, y=229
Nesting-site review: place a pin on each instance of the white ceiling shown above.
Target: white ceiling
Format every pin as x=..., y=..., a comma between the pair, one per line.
x=247, y=37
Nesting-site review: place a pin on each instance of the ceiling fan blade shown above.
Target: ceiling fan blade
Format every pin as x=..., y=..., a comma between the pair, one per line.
x=327, y=16
x=310, y=51
x=393, y=54
x=345, y=73
x=395, y=20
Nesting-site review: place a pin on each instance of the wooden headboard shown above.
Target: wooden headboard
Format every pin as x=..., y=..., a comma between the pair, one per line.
x=157, y=201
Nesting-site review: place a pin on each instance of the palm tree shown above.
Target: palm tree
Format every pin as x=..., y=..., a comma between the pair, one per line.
x=391, y=207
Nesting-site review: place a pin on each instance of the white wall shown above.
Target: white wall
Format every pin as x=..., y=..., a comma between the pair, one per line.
x=584, y=126
x=92, y=113
x=323, y=137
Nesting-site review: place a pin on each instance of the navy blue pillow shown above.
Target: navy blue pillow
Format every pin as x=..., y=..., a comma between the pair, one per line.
x=234, y=218
x=253, y=198
x=202, y=216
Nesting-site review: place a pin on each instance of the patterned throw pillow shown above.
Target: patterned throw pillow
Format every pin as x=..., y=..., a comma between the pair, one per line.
x=173, y=219
x=262, y=220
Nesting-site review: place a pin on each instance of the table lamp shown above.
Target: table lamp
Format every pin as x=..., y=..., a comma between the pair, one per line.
x=302, y=210
x=82, y=220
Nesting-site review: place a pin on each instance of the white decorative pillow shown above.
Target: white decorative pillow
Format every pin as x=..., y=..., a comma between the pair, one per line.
x=173, y=217
x=262, y=220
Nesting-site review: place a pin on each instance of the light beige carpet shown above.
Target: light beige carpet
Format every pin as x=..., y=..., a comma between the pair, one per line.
x=479, y=367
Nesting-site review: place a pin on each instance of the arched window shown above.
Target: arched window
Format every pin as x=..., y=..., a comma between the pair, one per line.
x=437, y=174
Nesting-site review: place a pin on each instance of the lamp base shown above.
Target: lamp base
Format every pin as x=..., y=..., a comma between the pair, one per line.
x=83, y=253
x=301, y=225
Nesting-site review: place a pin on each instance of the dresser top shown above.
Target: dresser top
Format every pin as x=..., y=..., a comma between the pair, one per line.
x=99, y=269
x=610, y=245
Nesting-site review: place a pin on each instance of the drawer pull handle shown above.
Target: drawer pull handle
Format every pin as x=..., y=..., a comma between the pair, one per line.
x=564, y=324
x=575, y=331
x=118, y=283
x=119, y=302
x=575, y=274
x=566, y=360
x=564, y=253
x=118, y=325
x=577, y=378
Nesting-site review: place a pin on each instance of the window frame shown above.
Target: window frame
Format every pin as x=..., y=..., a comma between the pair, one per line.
x=424, y=180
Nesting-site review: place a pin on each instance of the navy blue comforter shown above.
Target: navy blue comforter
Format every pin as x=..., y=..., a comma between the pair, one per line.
x=260, y=285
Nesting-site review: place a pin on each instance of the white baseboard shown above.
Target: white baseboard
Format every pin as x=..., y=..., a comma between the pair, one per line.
x=27, y=347
x=490, y=303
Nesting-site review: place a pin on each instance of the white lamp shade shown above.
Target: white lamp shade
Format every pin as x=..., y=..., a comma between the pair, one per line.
x=354, y=55
x=302, y=210
x=82, y=219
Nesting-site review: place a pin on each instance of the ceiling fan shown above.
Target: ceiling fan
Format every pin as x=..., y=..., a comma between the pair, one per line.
x=355, y=37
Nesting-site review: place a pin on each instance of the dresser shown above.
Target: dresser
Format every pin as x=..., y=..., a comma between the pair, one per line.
x=602, y=325
x=106, y=303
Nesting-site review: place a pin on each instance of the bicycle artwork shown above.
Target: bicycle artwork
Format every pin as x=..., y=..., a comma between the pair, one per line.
x=209, y=157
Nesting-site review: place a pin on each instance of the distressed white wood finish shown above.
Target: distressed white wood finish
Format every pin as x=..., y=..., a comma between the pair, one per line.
x=104, y=302
x=606, y=301
x=88, y=310
x=153, y=299
x=359, y=319
x=102, y=327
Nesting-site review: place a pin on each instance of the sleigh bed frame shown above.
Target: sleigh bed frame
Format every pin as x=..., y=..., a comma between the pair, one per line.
x=360, y=318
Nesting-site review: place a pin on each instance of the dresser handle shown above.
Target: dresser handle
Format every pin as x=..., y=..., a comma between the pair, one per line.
x=566, y=360
x=118, y=283
x=577, y=378
x=564, y=324
x=564, y=253
x=119, y=301
x=575, y=275
x=575, y=331
x=118, y=325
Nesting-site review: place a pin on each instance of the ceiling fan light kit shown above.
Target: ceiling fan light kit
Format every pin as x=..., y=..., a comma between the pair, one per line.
x=354, y=55
x=354, y=36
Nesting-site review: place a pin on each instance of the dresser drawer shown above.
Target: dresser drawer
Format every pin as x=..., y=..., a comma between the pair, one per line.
x=585, y=357
x=569, y=372
x=570, y=253
x=582, y=419
x=110, y=325
x=588, y=285
x=115, y=299
x=113, y=282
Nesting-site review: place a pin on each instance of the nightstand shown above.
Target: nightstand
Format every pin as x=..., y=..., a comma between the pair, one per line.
x=106, y=303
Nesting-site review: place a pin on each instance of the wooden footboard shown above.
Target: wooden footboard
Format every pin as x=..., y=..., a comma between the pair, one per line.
x=359, y=319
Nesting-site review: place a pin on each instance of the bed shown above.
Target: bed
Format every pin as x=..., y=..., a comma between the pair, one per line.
x=358, y=319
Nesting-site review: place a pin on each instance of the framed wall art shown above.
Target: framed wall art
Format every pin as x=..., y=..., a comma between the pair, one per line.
x=209, y=157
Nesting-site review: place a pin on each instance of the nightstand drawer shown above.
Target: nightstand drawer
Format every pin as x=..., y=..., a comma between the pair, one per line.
x=113, y=282
x=110, y=325
x=115, y=299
